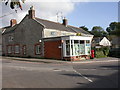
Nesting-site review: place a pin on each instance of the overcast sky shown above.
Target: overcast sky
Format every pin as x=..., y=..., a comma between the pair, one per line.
x=78, y=12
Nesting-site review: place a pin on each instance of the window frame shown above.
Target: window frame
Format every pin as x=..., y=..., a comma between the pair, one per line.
x=53, y=33
x=10, y=38
x=35, y=49
x=18, y=52
x=9, y=49
x=24, y=49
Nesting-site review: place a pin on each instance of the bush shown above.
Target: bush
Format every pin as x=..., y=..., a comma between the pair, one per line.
x=102, y=52
x=99, y=54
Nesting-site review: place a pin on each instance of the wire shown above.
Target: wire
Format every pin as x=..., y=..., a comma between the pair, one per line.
x=9, y=14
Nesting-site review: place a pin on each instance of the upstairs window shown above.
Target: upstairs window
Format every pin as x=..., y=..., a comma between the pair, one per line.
x=10, y=38
x=53, y=33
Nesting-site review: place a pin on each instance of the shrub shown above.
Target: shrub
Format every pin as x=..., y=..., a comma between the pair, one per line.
x=102, y=52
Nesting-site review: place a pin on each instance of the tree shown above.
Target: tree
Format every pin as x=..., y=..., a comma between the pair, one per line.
x=98, y=31
x=14, y=3
x=84, y=28
x=114, y=28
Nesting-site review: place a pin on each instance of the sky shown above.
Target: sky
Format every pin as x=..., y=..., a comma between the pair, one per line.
x=87, y=13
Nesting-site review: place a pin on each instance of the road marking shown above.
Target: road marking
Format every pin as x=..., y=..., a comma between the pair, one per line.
x=83, y=76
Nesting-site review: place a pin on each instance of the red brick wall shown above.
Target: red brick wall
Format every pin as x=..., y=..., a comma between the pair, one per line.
x=51, y=49
x=76, y=58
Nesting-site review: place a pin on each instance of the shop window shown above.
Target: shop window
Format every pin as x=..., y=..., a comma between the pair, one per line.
x=88, y=47
x=87, y=41
x=37, y=49
x=82, y=47
x=81, y=41
x=17, y=49
x=67, y=47
x=76, y=47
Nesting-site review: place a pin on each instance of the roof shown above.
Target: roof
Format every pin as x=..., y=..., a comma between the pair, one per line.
x=10, y=29
x=97, y=39
x=54, y=25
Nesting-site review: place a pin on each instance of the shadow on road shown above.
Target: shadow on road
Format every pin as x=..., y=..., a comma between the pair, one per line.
x=110, y=81
x=100, y=81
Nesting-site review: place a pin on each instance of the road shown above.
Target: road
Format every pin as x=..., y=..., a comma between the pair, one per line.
x=24, y=74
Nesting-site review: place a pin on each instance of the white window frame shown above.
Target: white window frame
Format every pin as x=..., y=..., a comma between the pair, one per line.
x=38, y=49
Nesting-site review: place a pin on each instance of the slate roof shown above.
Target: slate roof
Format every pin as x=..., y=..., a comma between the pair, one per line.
x=97, y=39
x=54, y=25
x=10, y=29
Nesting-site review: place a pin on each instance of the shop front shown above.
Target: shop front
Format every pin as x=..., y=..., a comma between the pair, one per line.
x=68, y=47
x=76, y=47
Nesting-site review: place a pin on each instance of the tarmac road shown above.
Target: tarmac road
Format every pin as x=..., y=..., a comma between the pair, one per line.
x=24, y=74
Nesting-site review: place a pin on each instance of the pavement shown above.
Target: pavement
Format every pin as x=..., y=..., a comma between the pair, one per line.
x=61, y=61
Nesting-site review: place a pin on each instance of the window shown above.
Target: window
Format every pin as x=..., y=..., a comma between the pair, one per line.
x=37, y=49
x=76, y=47
x=10, y=38
x=88, y=47
x=67, y=47
x=82, y=47
x=17, y=49
x=24, y=49
x=53, y=33
x=9, y=49
x=87, y=41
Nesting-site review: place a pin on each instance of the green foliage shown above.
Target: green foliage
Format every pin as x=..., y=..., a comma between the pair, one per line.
x=114, y=28
x=84, y=28
x=98, y=31
x=102, y=52
x=99, y=54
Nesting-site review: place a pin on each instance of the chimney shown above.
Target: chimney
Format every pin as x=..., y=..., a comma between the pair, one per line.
x=65, y=22
x=31, y=13
x=13, y=22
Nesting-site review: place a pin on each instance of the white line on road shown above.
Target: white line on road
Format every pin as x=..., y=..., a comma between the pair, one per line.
x=83, y=76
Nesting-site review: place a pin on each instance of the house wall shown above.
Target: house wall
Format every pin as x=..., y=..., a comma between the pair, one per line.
x=47, y=33
x=6, y=42
x=28, y=33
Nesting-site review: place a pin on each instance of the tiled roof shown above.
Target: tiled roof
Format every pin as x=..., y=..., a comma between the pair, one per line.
x=54, y=25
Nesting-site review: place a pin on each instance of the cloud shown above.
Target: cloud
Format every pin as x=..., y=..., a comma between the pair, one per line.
x=45, y=10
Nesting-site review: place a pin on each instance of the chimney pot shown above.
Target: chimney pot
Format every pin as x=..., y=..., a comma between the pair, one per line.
x=65, y=22
x=31, y=13
x=13, y=22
